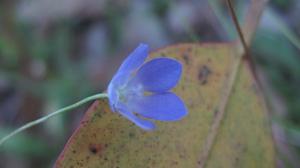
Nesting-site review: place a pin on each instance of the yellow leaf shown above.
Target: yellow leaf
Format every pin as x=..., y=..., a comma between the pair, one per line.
x=226, y=126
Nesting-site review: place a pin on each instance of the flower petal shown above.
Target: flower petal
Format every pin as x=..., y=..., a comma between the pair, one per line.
x=159, y=75
x=144, y=124
x=164, y=107
x=135, y=59
x=117, y=81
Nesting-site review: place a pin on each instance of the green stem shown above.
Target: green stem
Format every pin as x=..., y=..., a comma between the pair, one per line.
x=40, y=120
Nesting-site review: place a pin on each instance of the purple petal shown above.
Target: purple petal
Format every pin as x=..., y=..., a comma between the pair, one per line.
x=159, y=75
x=164, y=107
x=144, y=124
x=135, y=59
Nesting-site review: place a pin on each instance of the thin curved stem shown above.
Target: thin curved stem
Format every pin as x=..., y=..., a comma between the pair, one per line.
x=40, y=120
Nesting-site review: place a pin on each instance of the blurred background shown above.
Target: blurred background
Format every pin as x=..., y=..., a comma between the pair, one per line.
x=55, y=52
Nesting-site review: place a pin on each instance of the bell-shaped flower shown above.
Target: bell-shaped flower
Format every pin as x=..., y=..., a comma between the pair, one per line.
x=141, y=91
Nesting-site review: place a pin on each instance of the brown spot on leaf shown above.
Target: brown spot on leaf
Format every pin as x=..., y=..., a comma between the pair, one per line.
x=95, y=148
x=163, y=54
x=131, y=134
x=203, y=74
x=186, y=58
x=215, y=113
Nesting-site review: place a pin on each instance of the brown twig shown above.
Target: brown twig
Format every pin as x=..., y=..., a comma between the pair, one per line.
x=237, y=25
x=246, y=53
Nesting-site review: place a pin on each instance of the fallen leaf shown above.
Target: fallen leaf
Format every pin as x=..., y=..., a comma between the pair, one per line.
x=227, y=124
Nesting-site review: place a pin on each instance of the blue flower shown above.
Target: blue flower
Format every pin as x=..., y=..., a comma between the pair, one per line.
x=141, y=91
